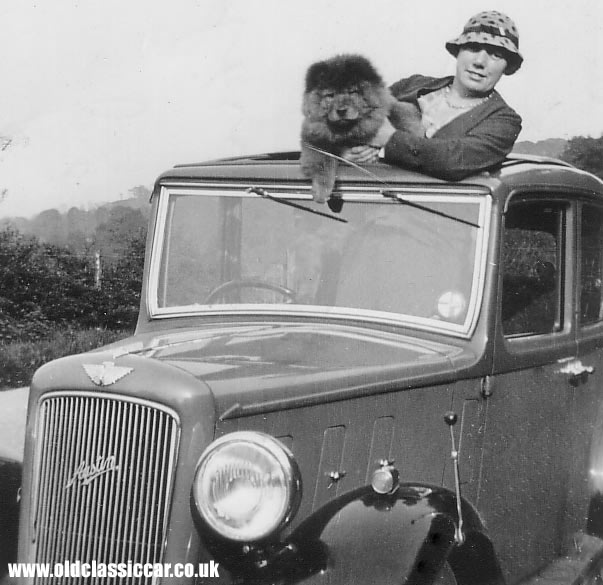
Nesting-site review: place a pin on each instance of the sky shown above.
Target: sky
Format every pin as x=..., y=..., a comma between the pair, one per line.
x=101, y=96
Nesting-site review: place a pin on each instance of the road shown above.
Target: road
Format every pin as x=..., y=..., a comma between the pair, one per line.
x=13, y=412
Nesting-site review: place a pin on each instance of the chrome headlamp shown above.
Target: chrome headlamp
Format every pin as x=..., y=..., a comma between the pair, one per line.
x=247, y=486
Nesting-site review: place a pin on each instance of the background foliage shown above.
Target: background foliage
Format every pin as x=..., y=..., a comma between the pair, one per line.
x=45, y=287
x=585, y=153
x=68, y=283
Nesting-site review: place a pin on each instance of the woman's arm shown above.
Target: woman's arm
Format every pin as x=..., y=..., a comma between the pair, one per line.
x=483, y=147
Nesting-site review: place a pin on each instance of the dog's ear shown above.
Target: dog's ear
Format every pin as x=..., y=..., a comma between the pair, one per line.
x=316, y=76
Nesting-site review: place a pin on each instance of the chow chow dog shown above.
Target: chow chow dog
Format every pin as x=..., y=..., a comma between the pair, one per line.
x=345, y=103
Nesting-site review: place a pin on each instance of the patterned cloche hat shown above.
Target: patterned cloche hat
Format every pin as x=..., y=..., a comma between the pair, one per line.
x=491, y=28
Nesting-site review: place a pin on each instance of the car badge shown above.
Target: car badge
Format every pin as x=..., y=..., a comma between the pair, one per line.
x=106, y=373
x=86, y=473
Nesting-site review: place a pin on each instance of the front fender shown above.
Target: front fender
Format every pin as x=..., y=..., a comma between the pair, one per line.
x=406, y=537
x=10, y=484
x=365, y=537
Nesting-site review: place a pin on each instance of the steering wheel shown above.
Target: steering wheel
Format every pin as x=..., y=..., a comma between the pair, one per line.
x=249, y=283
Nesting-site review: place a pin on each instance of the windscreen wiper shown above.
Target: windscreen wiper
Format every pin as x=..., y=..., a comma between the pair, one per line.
x=389, y=193
x=263, y=193
x=393, y=195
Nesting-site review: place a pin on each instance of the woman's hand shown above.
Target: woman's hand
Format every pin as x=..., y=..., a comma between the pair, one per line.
x=368, y=153
x=365, y=153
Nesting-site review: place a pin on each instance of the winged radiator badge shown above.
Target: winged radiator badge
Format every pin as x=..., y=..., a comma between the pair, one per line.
x=106, y=373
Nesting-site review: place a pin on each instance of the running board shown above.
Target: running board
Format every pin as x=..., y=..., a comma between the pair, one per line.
x=577, y=568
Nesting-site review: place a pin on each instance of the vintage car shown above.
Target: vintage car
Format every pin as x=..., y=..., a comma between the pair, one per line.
x=403, y=386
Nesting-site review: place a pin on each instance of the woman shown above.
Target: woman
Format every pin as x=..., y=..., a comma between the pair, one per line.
x=466, y=127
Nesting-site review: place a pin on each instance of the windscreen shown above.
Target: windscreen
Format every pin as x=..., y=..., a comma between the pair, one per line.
x=417, y=257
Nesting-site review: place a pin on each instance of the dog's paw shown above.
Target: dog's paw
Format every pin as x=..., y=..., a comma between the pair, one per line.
x=321, y=168
x=324, y=180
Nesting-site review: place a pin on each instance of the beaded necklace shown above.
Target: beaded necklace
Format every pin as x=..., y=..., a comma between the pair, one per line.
x=463, y=107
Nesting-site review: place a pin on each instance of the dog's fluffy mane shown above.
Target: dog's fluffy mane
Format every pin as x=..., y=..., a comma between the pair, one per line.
x=345, y=103
x=339, y=75
x=341, y=72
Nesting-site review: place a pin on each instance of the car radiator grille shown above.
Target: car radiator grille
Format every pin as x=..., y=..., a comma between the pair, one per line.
x=104, y=475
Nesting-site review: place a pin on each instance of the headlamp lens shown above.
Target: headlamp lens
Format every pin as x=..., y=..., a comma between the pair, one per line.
x=246, y=485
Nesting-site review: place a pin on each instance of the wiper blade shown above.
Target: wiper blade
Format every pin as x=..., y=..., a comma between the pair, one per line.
x=402, y=201
x=263, y=193
x=389, y=193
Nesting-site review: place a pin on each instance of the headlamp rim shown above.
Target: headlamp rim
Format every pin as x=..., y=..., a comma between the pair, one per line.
x=286, y=463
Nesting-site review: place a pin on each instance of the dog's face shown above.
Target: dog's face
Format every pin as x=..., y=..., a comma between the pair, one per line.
x=341, y=108
x=344, y=101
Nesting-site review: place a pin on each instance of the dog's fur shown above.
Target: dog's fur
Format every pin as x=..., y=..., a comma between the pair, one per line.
x=345, y=103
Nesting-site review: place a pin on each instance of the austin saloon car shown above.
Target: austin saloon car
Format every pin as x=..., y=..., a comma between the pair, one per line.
x=402, y=386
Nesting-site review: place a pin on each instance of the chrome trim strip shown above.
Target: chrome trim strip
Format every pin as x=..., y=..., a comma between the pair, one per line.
x=304, y=189
x=158, y=237
x=479, y=269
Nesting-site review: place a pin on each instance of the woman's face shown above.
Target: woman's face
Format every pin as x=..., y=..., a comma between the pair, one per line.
x=478, y=68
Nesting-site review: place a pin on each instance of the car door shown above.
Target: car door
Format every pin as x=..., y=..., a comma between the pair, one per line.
x=525, y=464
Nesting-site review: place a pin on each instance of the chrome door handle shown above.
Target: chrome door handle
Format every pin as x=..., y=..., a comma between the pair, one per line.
x=576, y=371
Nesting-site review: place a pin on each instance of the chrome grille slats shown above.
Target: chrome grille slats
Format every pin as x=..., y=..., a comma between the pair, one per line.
x=65, y=505
x=42, y=510
x=147, y=519
x=75, y=505
x=107, y=519
x=169, y=434
x=124, y=448
x=105, y=469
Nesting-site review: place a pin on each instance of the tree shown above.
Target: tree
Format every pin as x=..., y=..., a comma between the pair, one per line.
x=142, y=193
x=585, y=153
x=41, y=286
x=49, y=226
x=5, y=142
x=114, y=235
x=121, y=284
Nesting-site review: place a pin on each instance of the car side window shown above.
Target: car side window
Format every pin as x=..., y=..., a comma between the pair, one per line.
x=532, y=267
x=591, y=265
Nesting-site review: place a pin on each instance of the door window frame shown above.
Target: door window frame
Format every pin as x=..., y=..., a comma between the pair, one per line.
x=589, y=335
x=528, y=351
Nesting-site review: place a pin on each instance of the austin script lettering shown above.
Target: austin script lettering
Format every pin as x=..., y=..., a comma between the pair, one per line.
x=86, y=473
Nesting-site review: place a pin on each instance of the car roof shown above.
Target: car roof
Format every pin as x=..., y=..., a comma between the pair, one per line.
x=284, y=168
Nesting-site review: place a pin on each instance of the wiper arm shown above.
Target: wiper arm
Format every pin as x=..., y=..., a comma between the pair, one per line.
x=402, y=201
x=263, y=193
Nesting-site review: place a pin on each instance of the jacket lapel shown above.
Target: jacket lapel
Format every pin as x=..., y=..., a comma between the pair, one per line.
x=464, y=123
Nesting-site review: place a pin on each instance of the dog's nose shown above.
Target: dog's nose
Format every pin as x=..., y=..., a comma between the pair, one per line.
x=341, y=112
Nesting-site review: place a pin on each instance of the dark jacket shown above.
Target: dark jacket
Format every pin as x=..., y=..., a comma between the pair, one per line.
x=475, y=141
